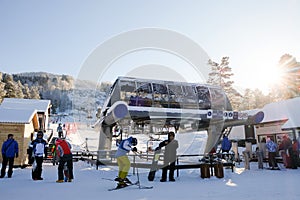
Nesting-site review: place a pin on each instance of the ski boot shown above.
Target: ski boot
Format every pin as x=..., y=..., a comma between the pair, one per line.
x=122, y=184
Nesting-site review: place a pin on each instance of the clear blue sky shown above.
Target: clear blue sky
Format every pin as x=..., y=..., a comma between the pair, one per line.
x=57, y=36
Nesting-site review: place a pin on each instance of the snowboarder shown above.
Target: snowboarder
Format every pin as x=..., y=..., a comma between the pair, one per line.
x=171, y=146
x=38, y=148
x=10, y=150
x=63, y=150
x=123, y=162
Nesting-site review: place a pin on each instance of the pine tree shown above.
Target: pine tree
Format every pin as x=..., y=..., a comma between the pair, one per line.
x=19, y=90
x=2, y=86
x=10, y=86
x=26, y=91
x=34, y=93
x=220, y=75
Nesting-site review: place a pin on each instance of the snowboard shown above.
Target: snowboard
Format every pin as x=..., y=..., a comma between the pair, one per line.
x=33, y=171
x=66, y=173
x=154, y=165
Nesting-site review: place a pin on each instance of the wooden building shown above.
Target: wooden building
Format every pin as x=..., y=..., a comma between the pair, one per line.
x=41, y=106
x=22, y=117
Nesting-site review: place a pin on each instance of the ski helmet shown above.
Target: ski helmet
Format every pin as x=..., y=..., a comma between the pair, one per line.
x=133, y=141
x=40, y=133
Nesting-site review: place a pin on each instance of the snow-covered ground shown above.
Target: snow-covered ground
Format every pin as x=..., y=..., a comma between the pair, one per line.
x=90, y=183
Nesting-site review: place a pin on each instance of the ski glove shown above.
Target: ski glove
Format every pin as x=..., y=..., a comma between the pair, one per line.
x=134, y=149
x=17, y=155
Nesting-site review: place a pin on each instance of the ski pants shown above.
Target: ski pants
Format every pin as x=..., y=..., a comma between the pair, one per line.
x=37, y=173
x=272, y=159
x=69, y=160
x=171, y=167
x=124, y=166
x=10, y=162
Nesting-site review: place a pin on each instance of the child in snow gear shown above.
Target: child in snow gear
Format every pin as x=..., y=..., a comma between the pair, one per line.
x=10, y=150
x=171, y=146
x=38, y=149
x=63, y=150
x=123, y=162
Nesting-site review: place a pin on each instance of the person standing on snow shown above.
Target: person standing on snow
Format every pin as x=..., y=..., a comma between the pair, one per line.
x=64, y=154
x=38, y=148
x=10, y=150
x=59, y=130
x=272, y=148
x=123, y=162
x=171, y=146
x=284, y=147
x=226, y=144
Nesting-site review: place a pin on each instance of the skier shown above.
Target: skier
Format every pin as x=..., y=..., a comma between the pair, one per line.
x=123, y=162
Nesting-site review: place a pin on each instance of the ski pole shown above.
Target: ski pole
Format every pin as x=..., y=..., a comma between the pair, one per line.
x=138, y=177
x=137, y=171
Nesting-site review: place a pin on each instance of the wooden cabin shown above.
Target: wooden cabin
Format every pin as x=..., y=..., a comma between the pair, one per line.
x=41, y=106
x=22, y=117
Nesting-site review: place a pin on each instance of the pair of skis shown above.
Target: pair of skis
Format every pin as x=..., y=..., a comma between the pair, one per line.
x=131, y=184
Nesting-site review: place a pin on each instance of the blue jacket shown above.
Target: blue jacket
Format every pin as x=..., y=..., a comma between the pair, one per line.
x=124, y=147
x=10, y=148
x=271, y=146
x=226, y=144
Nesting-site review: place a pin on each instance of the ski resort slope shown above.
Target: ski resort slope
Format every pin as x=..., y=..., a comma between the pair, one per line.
x=90, y=183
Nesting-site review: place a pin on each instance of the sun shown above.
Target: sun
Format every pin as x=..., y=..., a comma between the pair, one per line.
x=265, y=77
x=273, y=76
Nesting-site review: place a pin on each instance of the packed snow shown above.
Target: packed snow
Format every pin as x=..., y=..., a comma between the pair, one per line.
x=90, y=183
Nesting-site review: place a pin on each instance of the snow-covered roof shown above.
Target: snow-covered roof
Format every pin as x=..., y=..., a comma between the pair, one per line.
x=288, y=109
x=36, y=104
x=9, y=115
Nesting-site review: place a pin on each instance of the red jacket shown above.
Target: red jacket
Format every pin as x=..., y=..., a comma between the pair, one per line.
x=62, y=148
x=295, y=146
